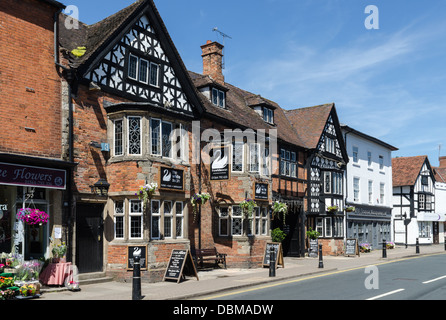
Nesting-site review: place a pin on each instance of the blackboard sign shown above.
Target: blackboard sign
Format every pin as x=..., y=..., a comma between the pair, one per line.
x=219, y=167
x=180, y=265
x=313, y=248
x=351, y=247
x=260, y=191
x=277, y=253
x=172, y=179
x=142, y=250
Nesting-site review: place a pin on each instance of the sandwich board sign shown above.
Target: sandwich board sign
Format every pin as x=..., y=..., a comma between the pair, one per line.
x=180, y=265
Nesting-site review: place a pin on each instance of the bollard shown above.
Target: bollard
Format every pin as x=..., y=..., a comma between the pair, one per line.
x=445, y=244
x=321, y=264
x=272, y=263
x=417, y=247
x=136, y=291
x=384, y=248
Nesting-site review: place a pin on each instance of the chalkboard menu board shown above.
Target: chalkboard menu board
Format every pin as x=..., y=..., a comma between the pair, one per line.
x=351, y=247
x=278, y=254
x=142, y=250
x=261, y=191
x=172, y=179
x=313, y=253
x=180, y=265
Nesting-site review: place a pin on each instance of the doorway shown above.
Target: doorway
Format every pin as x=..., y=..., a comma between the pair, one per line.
x=89, y=237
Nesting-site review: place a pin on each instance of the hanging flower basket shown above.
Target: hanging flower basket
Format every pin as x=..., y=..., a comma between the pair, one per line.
x=199, y=198
x=332, y=209
x=248, y=206
x=33, y=216
x=280, y=208
x=146, y=192
x=349, y=209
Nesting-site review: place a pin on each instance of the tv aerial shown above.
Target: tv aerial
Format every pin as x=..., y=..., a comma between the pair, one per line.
x=224, y=35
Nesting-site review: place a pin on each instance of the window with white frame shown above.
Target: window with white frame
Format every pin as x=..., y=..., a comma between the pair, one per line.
x=424, y=229
x=268, y=115
x=230, y=221
x=355, y=189
x=118, y=137
x=381, y=193
x=155, y=219
x=266, y=162
x=330, y=226
x=260, y=221
x=369, y=159
x=134, y=135
x=168, y=219
x=330, y=145
x=327, y=182
x=161, y=138
x=223, y=221
x=136, y=219
x=119, y=218
x=218, y=97
x=425, y=202
x=237, y=156
x=288, y=163
x=237, y=221
x=381, y=163
x=370, y=185
x=142, y=70
x=179, y=219
x=254, y=157
x=355, y=154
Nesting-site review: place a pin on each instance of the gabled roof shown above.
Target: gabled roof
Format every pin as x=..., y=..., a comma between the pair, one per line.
x=239, y=113
x=405, y=170
x=370, y=138
x=440, y=174
x=310, y=122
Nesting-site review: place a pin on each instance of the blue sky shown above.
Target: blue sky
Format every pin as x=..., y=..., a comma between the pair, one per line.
x=389, y=82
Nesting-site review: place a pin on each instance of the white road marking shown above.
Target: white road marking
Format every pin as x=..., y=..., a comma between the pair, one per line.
x=385, y=294
x=439, y=278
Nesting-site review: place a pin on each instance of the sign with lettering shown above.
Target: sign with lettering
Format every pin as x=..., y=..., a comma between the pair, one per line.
x=180, y=265
x=278, y=254
x=219, y=167
x=172, y=179
x=351, y=247
x=18, y=175
x=142, y=251
x=260, y=191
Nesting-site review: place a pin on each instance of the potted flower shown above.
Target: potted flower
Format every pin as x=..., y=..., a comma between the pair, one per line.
x=280, y=208
x=332, y=209
x=28, y=290
x=145, y=193
x=247, y=207
x=312, y=236
x=59, y=252
x=349, y=209
x=365, y=247
x=32, y=216
x=390, y=245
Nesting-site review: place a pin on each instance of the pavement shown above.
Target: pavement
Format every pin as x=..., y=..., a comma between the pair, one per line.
x=217, y=281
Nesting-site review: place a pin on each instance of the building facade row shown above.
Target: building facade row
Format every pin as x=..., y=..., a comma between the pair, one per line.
x=110, y=108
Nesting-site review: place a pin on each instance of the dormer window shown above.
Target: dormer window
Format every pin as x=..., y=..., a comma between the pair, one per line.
x=142, y=70
x=218, y=97
x=268, y=115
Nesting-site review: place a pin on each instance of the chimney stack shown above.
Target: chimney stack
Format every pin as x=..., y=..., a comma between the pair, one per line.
x=212, y=61
x=442, y=162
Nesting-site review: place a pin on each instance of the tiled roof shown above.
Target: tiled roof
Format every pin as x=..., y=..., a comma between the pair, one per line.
x=440, y=174
x=405, y=170
x=309, y=123
x=239, y=112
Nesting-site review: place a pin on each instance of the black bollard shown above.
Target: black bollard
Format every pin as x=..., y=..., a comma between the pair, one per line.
x=384, y=248
x=272, y=263
x=445, y=244
x=417, y=246
x=321, y=264
x=136, y=292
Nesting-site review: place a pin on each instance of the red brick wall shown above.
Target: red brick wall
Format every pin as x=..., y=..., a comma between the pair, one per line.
x=29, y=83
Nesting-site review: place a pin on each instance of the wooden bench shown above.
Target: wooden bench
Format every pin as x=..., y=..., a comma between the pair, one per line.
x=203, y=255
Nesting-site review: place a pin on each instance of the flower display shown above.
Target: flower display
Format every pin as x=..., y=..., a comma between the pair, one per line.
x=59, y=250
x=200, y=198
x=390, y=245
x=28, y=290
x=248, y=206
x=280, y=208
x=365, y=247
x=32, y=216
x=146, y=192
x=332, y=209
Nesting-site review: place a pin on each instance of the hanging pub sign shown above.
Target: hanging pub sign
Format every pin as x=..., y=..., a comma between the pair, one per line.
x=219, y=167
x=17, y=175
x=180, y=265
x=172, y=179
x=142, y=251
x=260, y=191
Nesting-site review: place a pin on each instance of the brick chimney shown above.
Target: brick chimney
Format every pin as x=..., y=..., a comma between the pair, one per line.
x=212, y=61
x=442, y=162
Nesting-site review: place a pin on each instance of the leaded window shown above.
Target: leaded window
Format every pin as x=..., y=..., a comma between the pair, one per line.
x=156, y=216
x=237, y=156
x=136, y=222
x=237, y=221
x=119, y=219
x=134, y=135
x=179, y=218
x=118, y=141
x=168, y=216
x=254, y=157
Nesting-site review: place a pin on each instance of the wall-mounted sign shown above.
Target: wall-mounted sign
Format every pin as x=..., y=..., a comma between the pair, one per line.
x=219, y=167
x=172, y=179
x=18, y=175
x=261, y=191
x=141, y=251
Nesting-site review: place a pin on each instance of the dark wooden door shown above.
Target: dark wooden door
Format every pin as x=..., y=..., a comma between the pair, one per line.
x=89, y=237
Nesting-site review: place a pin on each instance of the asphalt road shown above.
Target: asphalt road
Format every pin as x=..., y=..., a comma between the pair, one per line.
x=420, y=278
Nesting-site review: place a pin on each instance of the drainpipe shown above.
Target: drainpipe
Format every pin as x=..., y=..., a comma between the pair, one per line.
x=69, y=75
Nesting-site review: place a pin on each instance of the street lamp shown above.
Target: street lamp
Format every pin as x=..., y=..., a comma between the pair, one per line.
x=101, y=187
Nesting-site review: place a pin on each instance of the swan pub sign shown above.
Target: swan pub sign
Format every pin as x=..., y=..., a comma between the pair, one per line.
x=219, y=167
x=172, y=179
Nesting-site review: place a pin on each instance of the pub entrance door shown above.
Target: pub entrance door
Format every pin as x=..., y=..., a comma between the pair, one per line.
x=89, y=237
x=293, y=245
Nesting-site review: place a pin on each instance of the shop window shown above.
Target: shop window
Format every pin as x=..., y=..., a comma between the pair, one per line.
x=424, y=229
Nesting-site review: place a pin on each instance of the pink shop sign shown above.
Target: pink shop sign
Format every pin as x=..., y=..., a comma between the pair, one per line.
x=18, y=175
